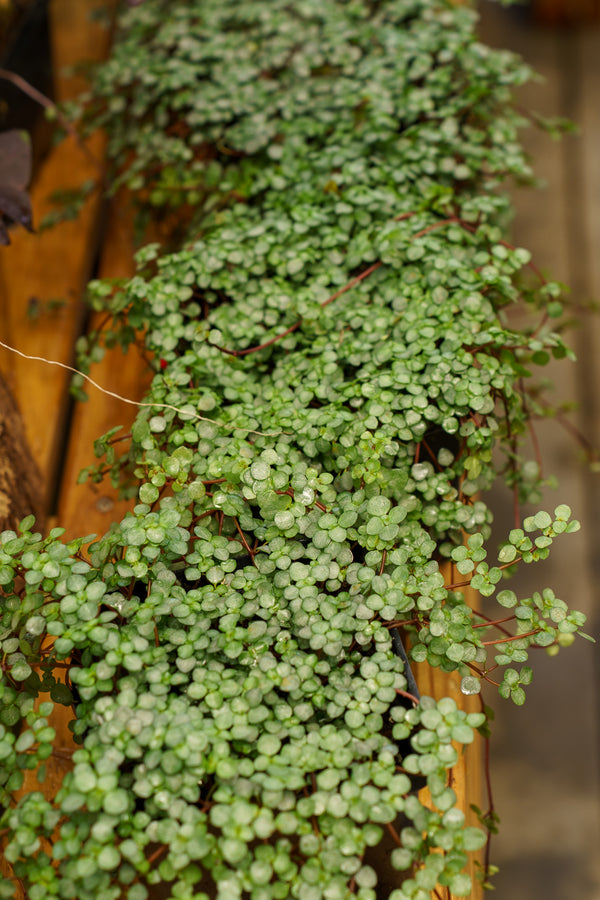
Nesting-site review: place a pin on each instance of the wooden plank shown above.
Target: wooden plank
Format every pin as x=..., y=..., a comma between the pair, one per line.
x=54, y=264
x=85, y=509
x=34, y=269
x=21, y=488
x=466, y=777
x=77, y=34
x=566, y=12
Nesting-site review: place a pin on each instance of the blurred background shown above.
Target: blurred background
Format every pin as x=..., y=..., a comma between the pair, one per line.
x=546, y=755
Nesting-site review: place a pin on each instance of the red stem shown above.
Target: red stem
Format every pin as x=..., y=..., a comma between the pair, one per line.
x=44, y=101
x=244, y=540
x=514, y=637
x=508, y=246
x=352, y=283
x=488, y=783
x=292, y=328
x=157, y=853
x=408, y=696
x=394, y=833
x=481, y=674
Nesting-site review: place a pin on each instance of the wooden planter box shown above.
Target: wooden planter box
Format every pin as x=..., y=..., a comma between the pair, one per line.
x=33, y=271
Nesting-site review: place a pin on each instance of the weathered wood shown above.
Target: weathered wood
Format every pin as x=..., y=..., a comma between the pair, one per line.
x=21, y=486
x=38, y=268
x=55, y=264
x=88, y=508
x=466, y=777
x=77, y=35
x=566, y=12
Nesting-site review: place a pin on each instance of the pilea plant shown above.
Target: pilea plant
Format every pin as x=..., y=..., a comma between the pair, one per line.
x=336, y=357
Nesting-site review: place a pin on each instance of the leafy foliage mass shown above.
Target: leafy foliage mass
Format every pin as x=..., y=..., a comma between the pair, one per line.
x=335, y=360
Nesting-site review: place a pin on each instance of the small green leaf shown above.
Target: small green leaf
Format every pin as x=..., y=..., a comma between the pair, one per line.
x=507, y=554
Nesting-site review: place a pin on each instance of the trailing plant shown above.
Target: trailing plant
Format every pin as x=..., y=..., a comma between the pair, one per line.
x=335, y=360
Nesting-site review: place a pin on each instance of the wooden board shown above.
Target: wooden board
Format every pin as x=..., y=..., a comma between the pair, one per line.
x=80, y=32
x=37, y=268
x=87, y=508
x=561, y=12
x=466, y=778
x=55, y=264
x=21, y=487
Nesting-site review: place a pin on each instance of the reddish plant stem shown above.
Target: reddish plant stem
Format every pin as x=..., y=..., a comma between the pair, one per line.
x=209, y=512
x=408, y=696
x=62, y=753
x=492, y=623
x=402, y=624
x=513, y=464
x=296, y=325
x=588, y=448
x=244, y=540
x=490, y=796
x=450, y=221
x=106, y=319
x=394, y=833
x=473, y=230
x=383, y=559
x=404, y=216
x=316, y=503
x=352, y=883
x=44, y=101
x=481, y=674
x=123, y=437
x=495, y=625
x=348, y=286
x=532, y=433
x=513, y=637
x=431, y=454
x=457, y=584
x=157, y=853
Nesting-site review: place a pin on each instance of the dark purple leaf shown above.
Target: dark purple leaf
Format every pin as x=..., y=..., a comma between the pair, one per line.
x=15, y=172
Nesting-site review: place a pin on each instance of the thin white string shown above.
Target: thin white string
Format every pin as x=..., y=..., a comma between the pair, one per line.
x=178, y=409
